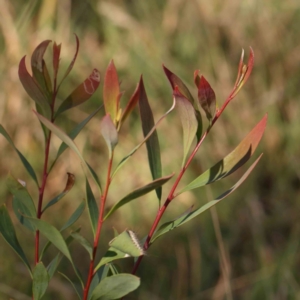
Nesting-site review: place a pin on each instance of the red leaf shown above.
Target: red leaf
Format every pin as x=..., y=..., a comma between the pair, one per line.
x=56, y=56
x=111, y=92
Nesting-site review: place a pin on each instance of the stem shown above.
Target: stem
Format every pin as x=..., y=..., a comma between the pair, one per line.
x=99, y=227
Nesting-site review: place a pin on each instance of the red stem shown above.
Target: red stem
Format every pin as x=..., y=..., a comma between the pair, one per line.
x=99, y=227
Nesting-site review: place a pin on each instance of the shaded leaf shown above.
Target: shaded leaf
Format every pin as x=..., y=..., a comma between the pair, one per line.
x=40, y=281
x=82, y=93
x=138, y=193
x=124, y=160
x=25, y=162
x=152, y=143
x=115, y=287
x=73, y=285
x=166, y=227
x=206, y=96
x=9, y=234
x=109, y=133
x=99, y=275
x=188, y=120
x=234, y=160
x=75, y=216
x=84, y=242
x=92, y=206
x=69, y=185
x=56, y=58
x=111, y=92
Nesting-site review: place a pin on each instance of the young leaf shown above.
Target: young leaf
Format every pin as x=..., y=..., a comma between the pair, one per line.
x=176, y=81
x=188, y=120
x=92, y=206
x=124, y=160
x=206, y=96
x=40, y=281
x=152, y=143
x=138, y=193
x=25, y=162
x=69, y=185
x=8, y=232
x=56, y=57
x=84, y=242
x=32, y=89
x=166, y=227
x=39, y=69
x=115, y=287
x=234, y=160
x=111, y=92
x=82, y=93
x=72, y=62
x=109, y=133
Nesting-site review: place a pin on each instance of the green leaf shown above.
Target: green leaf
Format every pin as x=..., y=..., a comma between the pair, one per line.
x=99, y=275
x=82, y=93
x=84, y=242
x=39, y=69
x=69, y=185
x=111, y=254
x=152, y=142
x=234, y=160
x=115, y=287
x=168, y=226
x=40, y=281
x=73, y=285
x=92, y=206
x=113, y=269
x=188, y=120
x=33, y=89
x=138, y=193
x=111, y=92
x=75, y=216
x=124, y=160
x=109, y=133
x=25, y=162
x=8, y=232
x=206, y=96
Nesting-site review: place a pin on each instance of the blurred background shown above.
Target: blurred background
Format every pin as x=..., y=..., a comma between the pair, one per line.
x=247, y=248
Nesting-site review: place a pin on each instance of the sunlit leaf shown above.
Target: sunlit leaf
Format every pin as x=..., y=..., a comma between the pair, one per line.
x=40, y=281
x=9, y=234
x=139, y=192
x=92, y=206
x=109, y=133
x=25, y=162
x=152, y=143
x=234, y=160
x=188, y=120
x=111, y=92
x=115, y=287
x=168, y=226
x=82, y=93
x=68, y=187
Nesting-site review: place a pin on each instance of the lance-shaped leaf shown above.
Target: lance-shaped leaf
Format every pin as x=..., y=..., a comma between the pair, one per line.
x=84, y=242
x=152, y=144
x=166, y=227
x=234, y=160
x=75, y=216
x=206, y=96
x=68, y=187
x=25, y=162
x=115, y=287
x=22, y=201
x=109, y=133
x=125, y=159
x=98, y=276
x=78, y=292
x=55, y=237
x=32, y=89
x=131, y=104
x=92, y=206
x=111, y=92
x=82, y=93
x=67, y=140
x=176, y=81
x=72, y=62
x=40, y=281
x=9, y=234
x=138, y=193
x=39, y=69
x=188, y=120
x=56, y=58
